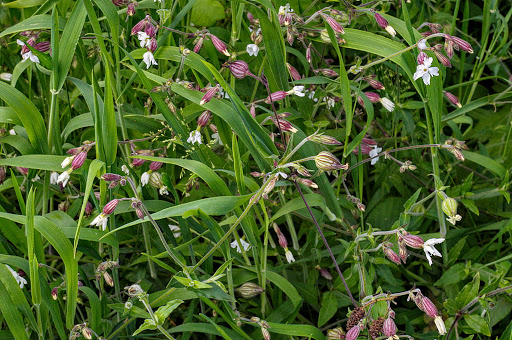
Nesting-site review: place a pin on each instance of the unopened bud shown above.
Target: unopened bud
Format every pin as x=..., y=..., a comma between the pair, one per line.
x=374, y=83
x=284, y=125
x=428, y=307
x=293, y=72
x=324, y=272
x=198, y=45
x=110, y=207
x=383, y=23
x=204, y=118
x=412, y=241
x=353, y=333
x=327, y=72
x=108, y=279
x=109, y=177
x=308, y=183
x=334, y=24
x=462, y=44
x=326, y=161
x=280, y=236
x=130, y=10
x=209, y=94
x=335, y=334
x=249, y=290
x=276, y=96
x=308, y=54
x=422, y=56
x=389, y=327
x=88, y=208
x=219, y=45
x=443, y=59
x=239, y=69
x=453, y=99
x=79, y=160
x=138, y=161
x=324, y=139
x=373, y=97
x=402, y=250
x=55, y=293
x=390, y=254
x=265, y=333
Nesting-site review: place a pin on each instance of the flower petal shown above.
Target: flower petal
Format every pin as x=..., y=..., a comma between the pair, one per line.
x=434, y=71
x=426, y=78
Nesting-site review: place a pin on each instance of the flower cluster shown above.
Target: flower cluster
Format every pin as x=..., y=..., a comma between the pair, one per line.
x=146, y=30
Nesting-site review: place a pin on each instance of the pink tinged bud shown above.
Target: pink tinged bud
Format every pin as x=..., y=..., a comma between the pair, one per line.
x=79, y=160
x=381, y=21
x=435, y=28
x=293, y=72
x=422, y=56
x=43, y=46
x=252, y=111
x=204, y=118
x=443, y=59
x=373, y=97
x=308, y=54
x=110, y=207
x=453, y=99
x=198, y=45
x=140, y=26
x=276, y=96
x=219, y=45
x=412, y=241
x=391, y=255
x=109, y=177
x=334, y=24
x=324, y=272
x=280, y=236
x=150, y=30
x=307, y=182
x=462, y=44
x=155, y=165
x=250, y=17
x=448, y=47
x=139, y=212
x=239, y=69
x=326, y=161
x=130, y=10
x=55, y=293
x=369, y=141
x=152, y=45
x=324, y=139
x=375, y=84
x=327, y=72
x=23, y=171
x=353, y=333
x=402, y=251
x=389, y=327
x=88, y=209
x=429, y=308
x=209, y=95
x=138, y=161
x=284, y=125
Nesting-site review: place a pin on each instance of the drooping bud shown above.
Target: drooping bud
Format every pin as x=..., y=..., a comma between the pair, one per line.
x=280, y=236
x=204, y=118
x=86, y=332
x=141, y=25
x=43, y=46
x=324, y=139
x=327, y=72
x=353, y=333
x=336, y=27
x=462, y=44
x=324, y=272
x=22, y=170
x=284, y=125
x=374, y=83
x=55, y=293
x=138, y=161
x=326, y=161
x=390, y=254
x=198, y=45
x=453, y=99
x=111, y=177
x=428, y=307
x=130, y=10
x=308, y=183
x=265, y=333
x=301, y=170
x=110, y=206
x=443, y=59
x=308, y=54
x=293, y=72
x=402, y=250
x=239, y=69
x=108, y=279
x=373, y=97
x=249, y=290
x=383, y=23
x=276, y=96
x=88, y=208
x=219, y=45
x=252, y=111
x=389, y=327
x=79, y=160
x=412, y=241
x=212, y=91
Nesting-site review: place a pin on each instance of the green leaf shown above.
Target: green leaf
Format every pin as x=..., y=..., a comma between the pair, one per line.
x=486, y=162
x=11, y=315
x=478, y=324
x=41, y=162
x=453, y=275
x=328, y=308
x=206, y=12
x=163, y=312
x=35, y=287
x=297, y=203
x=469, y=292
x=23, y=3
x=34, y=23
x=148, y=324
x=296, y=330
x=28, y=114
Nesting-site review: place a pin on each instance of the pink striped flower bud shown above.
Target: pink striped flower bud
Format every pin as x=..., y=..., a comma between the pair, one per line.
x=139, y=212
x=276, y=96
x=448, y=47
x=334, y=24
x=130, y=10
x=150, y=30
x=212, y=91
x=324, y=272
x=383, y=23
x=88, y=208
x=389, y=327
x=422, y=56
x=239, y=69
x=374, y=83
x=55, y=293
x=110, y=207
x=141, y=25
x=43, y=46
x=373, y=97
x=293, y=72
x=219, y=45
x=252, y=110
x=435, y=28
x=353, y=333
x=198, y=45
x=412, y=241
x=402, y=250
x=327, y=72
x=250, y=17
x=155, y=165
x=213, y=128
x=307, y=182
x=443, y=59
x=326, y=161
x=109, y=177
x=280, y=237
x=453, y=99
x=23, y=171
x=152, y=45
x=79, y=160
x=428, y=307
x=324, y=139
x=204, y=118
x=390, y=254
x=462, y=44
x=284, y=124
x=308, y=54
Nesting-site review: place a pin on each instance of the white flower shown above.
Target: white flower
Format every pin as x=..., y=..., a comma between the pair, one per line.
x=12, y=132
x=195, y=137
x=283, y=10
x=454, y=219
x=63, y=178
x=428, y=248
x=144, y=38
x=149, y=59
x=390, y=30
x=425, y=71
x=282, y=174
x=67, y=161
x=216, y=138
x=441, y=328
x=163, y=190
x=422, y=44
x=223, y=94
x=6, y=76
x=125, y=169
x=298, y=91
x=289, y=256
x=101, y=221
x=252, y=49
x=27, y=55
x=374, y=152
x=330, y=101
x=21, y=281
x=35, y=178
x=54, y=177
x=311, y=95
x=388, y=104
x=244, y=244
x=176, y=230
x=144, y=179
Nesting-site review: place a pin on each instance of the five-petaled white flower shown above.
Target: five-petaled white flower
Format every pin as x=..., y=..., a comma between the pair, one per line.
x=428, y=248
x=149, y=59
x=195, y=137
x=244, y=244
x=252, y=49
x=298, y=91
x=144, y=39
x=125, y=169
x=64, y=177
x=21, y=281
x=425, y=71
x=374, y=152
x=289, y=256
x=101, y=221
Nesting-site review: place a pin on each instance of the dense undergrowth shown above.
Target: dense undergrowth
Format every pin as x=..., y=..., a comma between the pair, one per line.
x=255, y=169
